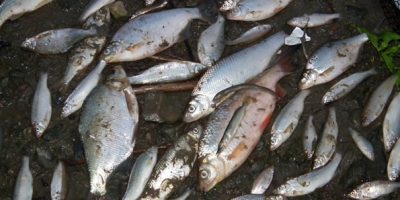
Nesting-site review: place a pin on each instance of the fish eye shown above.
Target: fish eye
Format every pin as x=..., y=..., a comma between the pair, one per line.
x=195, y=130
x=192, y=108
x=203, y=174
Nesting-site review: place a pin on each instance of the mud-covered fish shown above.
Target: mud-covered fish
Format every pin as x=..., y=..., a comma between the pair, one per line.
x=140, y=174
x=363, y=144
x=331, y=60
x=391, y=123
x=59, y=182
x=211, y=43
x=393, y=167
x=251, y=35
x=175, y=165
x=56, y=41
x=168, y=72
x=310, y=138
x=262, y=182
x=307, y=183
x=255, y=10
x=327, y=145
x=230, y=71
x=94, y=6
x=313, y=20
x=24, y=183
x=41, y=106
x=287, y=120
x=107, y=126
x=377, y=101
x=374, y=189
x=346, y=85
x=12, y=9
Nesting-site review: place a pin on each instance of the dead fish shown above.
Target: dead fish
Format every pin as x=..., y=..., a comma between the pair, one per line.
x=310, y=138
x=276, y=197
x=346, y=85
x=59, y=183
x=313, y=20
x=391, y=125
x=250, y=197
x=184, y=195
x=308, y=183
x=233, y=126
x=331, y=60
x=229, y=72
x=377, y=101
x=255, y=10
x=175, y=165
x=228, y=5
x=327, y=145
x=107, y=126
x=393, y=167
x=24, y=183
x=77, y=97
x=149, y=9
x=287, y=120
x=56, y=41
x=41, y=106
x=363, y=144
x=262, y=182
x=140, y=174
x=373, y=189
x=168, y=72
x=93, y=6
x=251, y=35
x=12, y=9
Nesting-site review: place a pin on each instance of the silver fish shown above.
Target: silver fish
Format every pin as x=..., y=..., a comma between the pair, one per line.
x=77, y=97
x=184, y=195
x=12, y=9
x=346, y=85
x=59, y=183
x=93, y=6
x=393, y=167
x=251, y=35
x=140, y=174
x=174, y=166
x=149, y=2
x=211, y=43
x=255, y=10
x=107, y=126
x=229, y=72
x=377, y=101
x=287, y=120
x=327, y=145
x=276, y=197
x=262, y=182
x=331, y=60
x=363, y=144
x=313, y=20
x=310, y=138
x=168, y=72
x=228, y=5
x=373, y=190
x=391, y=125
x=250, y=197
x=233, y=126
x=149, y=9
x=308, y=183
x=41, y=106
x=24, y=183
x=56, y=41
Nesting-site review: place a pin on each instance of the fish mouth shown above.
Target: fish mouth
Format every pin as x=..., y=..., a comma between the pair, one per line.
x=38, y=129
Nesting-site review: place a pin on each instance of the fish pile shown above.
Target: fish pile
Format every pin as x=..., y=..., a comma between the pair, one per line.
x=230, y=108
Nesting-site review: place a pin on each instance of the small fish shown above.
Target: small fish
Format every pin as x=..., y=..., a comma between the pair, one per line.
x=12, y=9
x=346, y=85
x=393, y=167
x=149, y=9
x=24, y=183
x=373, y=189
x=363, y=144
x=56, y=41
x=377, y=102
x=308, y=183
x=149, y=2
x=41, y=106
x=255, y=10
x=140, y=174
x=228, y=5
x=251, y=35
x=313, y=20
x=233, y=126
x=331, y=60
x=250, y=197
x=168, y=72
x=211, y=43
x=391, y=125
x=327, y=145
x=59, y=183
x=93, y=6
x=184, y=195
x=287, y=120
x=262, y=182
x=310, y=138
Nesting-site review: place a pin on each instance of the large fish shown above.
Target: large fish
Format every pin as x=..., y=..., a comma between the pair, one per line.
x=107, y=126
x=373, y=190
x=24, y=183
x=41, y=106
x=331, y=60
x=391, y=123
x=230, y=71
x=59, y=183
x=93, y=6
x=313, y=20
x=255, y=10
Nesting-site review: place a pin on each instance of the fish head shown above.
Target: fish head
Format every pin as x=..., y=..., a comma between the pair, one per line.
x=198, y=107
x=211, y=172
x=29, y=43
x=38, y=128
x=235, y=13
x=309, y=79
x=98, y=180
x=195, y=131
x=276, y=140
x=68, y=109
x=355, y=194
x=112, y=52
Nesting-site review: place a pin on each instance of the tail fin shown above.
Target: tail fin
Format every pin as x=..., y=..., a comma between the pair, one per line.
x=209, y=10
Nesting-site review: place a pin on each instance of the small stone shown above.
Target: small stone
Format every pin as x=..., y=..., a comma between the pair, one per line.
x=118, y=9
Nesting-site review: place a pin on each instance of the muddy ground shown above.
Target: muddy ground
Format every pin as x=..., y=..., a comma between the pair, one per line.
x=19, y=70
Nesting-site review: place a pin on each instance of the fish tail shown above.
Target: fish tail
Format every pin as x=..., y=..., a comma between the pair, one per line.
x=209, y=11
